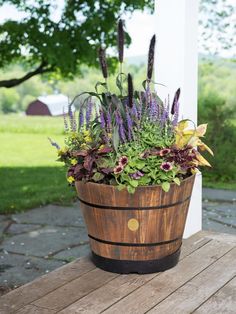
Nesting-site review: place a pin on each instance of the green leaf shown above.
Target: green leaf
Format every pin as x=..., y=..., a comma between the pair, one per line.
x=120, y=187
x=134, y=183
x=177, y=181
x=140, y=165
x=97, y=176
x=165, y=186
x=130, y=189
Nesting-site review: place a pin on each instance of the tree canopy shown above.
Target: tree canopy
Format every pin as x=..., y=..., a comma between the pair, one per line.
x=60, y=43
x=218, y=26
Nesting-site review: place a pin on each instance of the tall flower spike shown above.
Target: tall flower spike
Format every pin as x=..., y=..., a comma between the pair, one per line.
x=71, y=117
x=151, y=55
x=65, y=121
x=120, y=41
x=81, y=118
x=88, y=111
x=103, y=62
x=175, y=101
x=130, y=91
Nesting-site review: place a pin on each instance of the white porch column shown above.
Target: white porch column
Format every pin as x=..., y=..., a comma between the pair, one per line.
x=176, y=66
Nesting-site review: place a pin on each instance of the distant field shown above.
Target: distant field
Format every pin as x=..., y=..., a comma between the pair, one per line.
x=16, y=123
x=29, y=174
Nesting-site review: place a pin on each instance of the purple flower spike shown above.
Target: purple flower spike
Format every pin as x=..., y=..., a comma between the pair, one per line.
x=153, y=109
x=176, y=115
x=129, y=124
x=81, y=118
x=65, y=121
x=102, y=119
x=122, y=132
x=119, y=122
x=74, y=126
x=108, y=120
x=89, y=111
x=53, y=143
x=134, y=110
x=71, y=118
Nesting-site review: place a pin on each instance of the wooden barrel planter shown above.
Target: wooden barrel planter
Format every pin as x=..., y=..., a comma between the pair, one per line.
x=135, y=233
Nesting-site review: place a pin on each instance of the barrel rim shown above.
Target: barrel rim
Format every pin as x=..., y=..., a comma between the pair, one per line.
x=192, y=177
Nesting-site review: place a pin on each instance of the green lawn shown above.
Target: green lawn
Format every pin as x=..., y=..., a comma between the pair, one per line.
x=29, y=174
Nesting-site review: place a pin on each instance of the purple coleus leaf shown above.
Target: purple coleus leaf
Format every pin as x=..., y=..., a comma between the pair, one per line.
x=80, y=153
x=88, y=162
x=107, y=170
x=105, y=150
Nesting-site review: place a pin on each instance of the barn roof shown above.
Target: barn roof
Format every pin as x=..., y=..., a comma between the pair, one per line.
x=56, y=103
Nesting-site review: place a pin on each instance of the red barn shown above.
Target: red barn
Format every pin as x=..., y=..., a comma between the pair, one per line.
x=51, y=105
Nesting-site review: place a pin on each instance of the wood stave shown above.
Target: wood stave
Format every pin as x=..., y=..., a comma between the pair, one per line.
x=172, y=228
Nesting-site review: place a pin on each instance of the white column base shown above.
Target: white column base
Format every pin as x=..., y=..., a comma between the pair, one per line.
x=194, y=218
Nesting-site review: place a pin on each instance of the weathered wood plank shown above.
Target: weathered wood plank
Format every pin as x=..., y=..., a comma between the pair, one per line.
x=160, y=287
x=224, y=301
x=189, y=297
x=223, y=237
x=26, y=294
x=118, y=288
x=32, y=309
x=74, y=290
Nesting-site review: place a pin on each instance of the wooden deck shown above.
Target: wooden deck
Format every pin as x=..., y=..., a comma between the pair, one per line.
x=204, y=281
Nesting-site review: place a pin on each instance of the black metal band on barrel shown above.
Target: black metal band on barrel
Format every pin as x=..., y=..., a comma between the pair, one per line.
x=139, y=267
x=132, y=208
x=133, y=244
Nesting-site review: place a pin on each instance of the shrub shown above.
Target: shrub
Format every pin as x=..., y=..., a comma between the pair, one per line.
x=221, y=137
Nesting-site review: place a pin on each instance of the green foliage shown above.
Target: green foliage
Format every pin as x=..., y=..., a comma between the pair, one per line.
x=221, y=137
x=9, y=100
x=142, y=170
x=62, y=45
x=153, y=136
x=217, y=25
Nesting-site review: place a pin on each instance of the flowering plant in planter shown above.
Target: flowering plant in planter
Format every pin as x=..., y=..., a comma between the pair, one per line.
x=133, y=164
x=131, y=139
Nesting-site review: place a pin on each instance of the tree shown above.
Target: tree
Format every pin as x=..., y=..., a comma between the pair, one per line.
x=218, y=26
x=9, y=100
x=60, y=46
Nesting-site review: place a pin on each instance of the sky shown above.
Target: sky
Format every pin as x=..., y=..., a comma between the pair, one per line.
x=140, y=27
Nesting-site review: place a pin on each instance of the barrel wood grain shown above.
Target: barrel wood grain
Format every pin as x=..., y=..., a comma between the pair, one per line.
x=146, y=225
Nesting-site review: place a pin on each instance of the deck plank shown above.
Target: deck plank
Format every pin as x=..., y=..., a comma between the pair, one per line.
x=74, y=290
x=26, y=294
x=160, y=287
x=118, y=288
x=205, y=271
x=189, y=297
x=224, y=301
x=32, y=309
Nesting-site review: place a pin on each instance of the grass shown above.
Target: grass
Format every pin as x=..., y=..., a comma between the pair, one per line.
x=29, y=174
x=211, y=183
